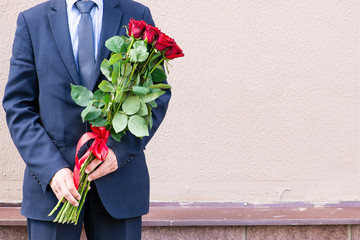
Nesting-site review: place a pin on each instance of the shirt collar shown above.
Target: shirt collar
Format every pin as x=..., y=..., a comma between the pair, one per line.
x=99, y=3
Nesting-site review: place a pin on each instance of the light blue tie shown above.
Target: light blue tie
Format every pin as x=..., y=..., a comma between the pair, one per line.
x=86, y=58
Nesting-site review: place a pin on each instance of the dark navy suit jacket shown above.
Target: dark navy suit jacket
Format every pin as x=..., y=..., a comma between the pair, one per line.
x=45, y=123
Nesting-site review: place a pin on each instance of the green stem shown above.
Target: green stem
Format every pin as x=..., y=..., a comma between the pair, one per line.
x=64, y=212
x=60, y=213
x=56, y=207
x=69, y=216
x=82, y=201
x=67, y=211
x=132, y=73
x=57, y=218
x=158, y=64
x=148, y=60
x=130, y=46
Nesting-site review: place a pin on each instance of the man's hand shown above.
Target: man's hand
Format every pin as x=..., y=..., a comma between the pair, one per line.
x=109, y=165
x=63, y=185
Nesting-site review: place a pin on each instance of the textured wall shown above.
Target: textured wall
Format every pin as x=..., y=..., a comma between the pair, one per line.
x=264, y=107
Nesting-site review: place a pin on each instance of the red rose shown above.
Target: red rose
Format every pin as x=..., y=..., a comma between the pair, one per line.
x=136, y=28
x=174, y=52
x=151, y=33
x=163, y=42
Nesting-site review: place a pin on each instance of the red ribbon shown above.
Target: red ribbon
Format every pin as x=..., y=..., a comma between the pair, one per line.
x=98, y=149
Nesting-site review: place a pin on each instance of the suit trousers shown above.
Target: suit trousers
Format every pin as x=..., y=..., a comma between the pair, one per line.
x=99, y=224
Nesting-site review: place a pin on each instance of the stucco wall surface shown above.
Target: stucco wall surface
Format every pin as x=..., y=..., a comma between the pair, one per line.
x=264, y=107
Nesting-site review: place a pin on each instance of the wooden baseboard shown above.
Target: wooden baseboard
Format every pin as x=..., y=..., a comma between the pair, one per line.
x=228, y=214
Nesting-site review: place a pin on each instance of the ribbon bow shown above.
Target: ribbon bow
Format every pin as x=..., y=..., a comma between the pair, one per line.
x=98, y=148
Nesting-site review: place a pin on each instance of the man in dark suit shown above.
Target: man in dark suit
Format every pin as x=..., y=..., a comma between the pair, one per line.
x=45, y=123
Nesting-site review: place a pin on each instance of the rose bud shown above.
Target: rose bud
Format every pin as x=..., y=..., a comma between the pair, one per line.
x=174, y=52
x=136, y=28
x=151, y=33
x=163, y=42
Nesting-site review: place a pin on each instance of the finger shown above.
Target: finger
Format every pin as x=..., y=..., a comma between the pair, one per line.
x=72, y=189
x=107, y=167
x=57, y=194
x=56, y=189
x=98, y=173
x=94, y=163
x=69, y=197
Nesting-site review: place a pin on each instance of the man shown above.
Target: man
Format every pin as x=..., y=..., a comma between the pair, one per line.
x=51, y=50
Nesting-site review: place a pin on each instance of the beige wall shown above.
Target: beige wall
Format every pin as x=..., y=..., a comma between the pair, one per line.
x=264, y=108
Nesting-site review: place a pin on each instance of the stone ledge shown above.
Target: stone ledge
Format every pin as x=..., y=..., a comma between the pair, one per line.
x=227, y=214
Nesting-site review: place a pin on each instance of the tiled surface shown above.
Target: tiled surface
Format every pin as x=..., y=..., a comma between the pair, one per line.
x=334, y=232
x=13, y=233
x=193, y=233
x=355, y=230
x=20, y=233
x=331, y=232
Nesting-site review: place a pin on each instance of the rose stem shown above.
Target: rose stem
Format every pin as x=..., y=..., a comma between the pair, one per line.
x=56, y=207
x=157, y=64
x=64, y=213
x=82, y=201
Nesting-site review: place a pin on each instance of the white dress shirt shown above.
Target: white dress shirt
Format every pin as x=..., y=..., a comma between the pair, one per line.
x=74, y=16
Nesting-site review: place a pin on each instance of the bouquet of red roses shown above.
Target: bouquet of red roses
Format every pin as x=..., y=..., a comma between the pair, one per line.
x=123, y=102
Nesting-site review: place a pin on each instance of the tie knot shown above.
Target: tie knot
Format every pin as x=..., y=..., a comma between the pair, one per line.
x=85, y=6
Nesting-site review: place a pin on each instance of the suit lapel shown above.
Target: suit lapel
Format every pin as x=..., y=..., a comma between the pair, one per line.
x=110, y=27
x=60, y=29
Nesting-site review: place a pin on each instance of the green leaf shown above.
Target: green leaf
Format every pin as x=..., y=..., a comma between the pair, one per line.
x=98, y=96
x=137, y=80
x=139, y=53
x=115, y=44
x=81, y=95
x=106, y=86
x=107, y=99
x=148, y=118
x=126, y=69
x=158, y=75
x=143, y=111
x=161, y=86
x=148, y=82
x=127, y=42
x=138, y=126
x=90, y=113
x=98, y=122
x=106, y=69
x=139, y=44
x=117, y=136
x=149, y=121
x=152, y=96
x=114, y=58
x=120, y=122
x=131, y=105
x=153, y=104
x=140, y=91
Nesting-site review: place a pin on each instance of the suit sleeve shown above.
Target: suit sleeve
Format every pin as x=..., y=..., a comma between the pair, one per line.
x=22, y=111
x=136, y=144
